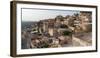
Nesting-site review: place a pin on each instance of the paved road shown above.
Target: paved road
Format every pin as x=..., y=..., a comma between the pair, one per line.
x=79, y=42
x=85, y=40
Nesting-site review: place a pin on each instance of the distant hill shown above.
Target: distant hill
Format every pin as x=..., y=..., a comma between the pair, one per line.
x=28, y=24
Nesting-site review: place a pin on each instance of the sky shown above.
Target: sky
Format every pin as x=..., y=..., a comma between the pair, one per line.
x=41, y=14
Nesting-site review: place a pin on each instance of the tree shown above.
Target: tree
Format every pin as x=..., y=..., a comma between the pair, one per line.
x=76, y=14
x=63, y=26
x=67, y=33
x=59, y=17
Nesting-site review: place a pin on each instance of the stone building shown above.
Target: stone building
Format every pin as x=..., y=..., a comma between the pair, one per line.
x=83, y=22
x=86, y=21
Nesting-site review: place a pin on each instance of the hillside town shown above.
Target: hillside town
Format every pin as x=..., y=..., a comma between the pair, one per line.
x=69, y=31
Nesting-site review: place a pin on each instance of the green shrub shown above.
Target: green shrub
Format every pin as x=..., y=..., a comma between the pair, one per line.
x=67, y=33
